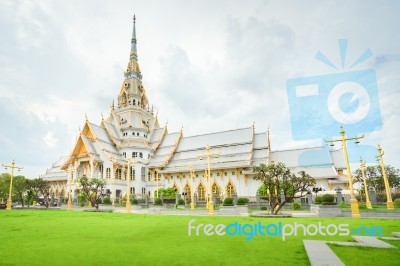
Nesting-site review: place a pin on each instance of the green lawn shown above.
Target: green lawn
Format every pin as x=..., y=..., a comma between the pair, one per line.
x=46, y=237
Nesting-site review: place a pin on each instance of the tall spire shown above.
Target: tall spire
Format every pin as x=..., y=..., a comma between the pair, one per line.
x=133, y=41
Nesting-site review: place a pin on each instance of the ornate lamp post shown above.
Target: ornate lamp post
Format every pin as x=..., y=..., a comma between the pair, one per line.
x=69, y=205
x=201, y=157
x=389, y=202
x=192, y=190
x=12, y=166
x=367, y=200
x=128, y=188
x=355, y=212
x=157, y=179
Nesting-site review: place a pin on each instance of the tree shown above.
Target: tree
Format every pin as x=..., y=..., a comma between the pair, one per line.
x=282, y=185
x=4, y=185
x=20, y=186
x=41, y=187
x=374, y=177
x=92, y=188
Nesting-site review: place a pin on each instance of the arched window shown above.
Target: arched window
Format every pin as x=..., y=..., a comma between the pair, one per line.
x=188, y=190
x=157, y=176
x=176, y=188
x=119, y=173
x=215, y=189
x=101, y=170
x=230, y=189
x=201, y=192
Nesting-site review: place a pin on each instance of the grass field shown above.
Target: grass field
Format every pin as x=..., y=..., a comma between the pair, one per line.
x=46, y=237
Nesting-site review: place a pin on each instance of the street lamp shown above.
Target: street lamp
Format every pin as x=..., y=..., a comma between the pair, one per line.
x=201, y=157
x=12, y=166
x=128, y=188
x=156, y=177
x=192, y=190
x=367, y=200
x=355, y=212
x=69, y=205
x=389, y=202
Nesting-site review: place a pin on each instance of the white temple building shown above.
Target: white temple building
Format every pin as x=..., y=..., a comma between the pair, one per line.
x=131, y=142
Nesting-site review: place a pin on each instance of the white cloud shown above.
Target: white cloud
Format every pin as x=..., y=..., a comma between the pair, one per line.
x=49, y=139
x=207, y=65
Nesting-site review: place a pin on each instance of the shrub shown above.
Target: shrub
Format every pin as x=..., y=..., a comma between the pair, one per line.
x=263, y=208
x=318, y=200
x=242, y=201
x=157, y=201
x=134, y=201
x=343, y=205
x=327, y=198
x=181, y=202
x=81, y=199
x=228, y=202
x=296, y=206
x=397, y=203
x=107, y=201
x=362, y=206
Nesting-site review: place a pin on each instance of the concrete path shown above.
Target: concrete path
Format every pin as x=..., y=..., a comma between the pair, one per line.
x=319, y=253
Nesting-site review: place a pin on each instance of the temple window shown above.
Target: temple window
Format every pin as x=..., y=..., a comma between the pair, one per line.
x=230, y=189
x=201, y=192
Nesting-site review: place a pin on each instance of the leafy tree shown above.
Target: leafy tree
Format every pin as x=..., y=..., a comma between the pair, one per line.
x=92, y=188
x=262, y=191
x=282, y=185
x=4, y=185
x=374, y=177
x=20, y=186
x=41, y=187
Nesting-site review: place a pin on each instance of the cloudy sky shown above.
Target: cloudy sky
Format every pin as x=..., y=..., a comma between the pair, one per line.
x=207, y=65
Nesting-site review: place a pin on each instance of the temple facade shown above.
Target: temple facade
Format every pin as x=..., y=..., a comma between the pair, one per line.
x=130, y=143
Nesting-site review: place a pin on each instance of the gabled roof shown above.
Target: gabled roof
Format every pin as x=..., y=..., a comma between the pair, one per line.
x=234, y=148
x=165, y=149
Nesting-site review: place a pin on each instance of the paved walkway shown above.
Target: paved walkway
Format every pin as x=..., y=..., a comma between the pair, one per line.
x=319, y=253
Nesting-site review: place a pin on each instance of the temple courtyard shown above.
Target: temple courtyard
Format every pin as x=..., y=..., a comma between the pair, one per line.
x=61, y=237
